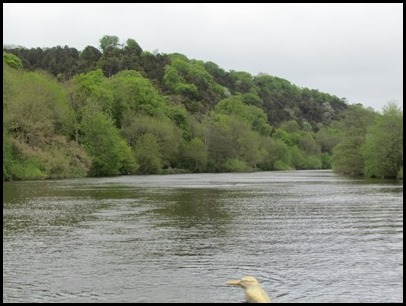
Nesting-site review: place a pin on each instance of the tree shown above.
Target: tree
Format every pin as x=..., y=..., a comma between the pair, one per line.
x=253, y=115
x=109, y=152
x=308, y=145
x=133, y=93
x=12, y=60
x=177, y=84
x=195, y=155
x=60, y=62
x=179, y=115
x=88, y=59
x=220, y=144
x=166, y=134
x=190, y=79
x=153, y=66
x=108, y=41
x=148, y=156
x=269, y=153
x=38, y=109
x=383, y=149
x=111, y=61
x=134, y=46
x=220, y=76
x=37, y=127
x=230, y=139
x=90, y=88
x=327, y=138
x=243, y=81
x=347, y=155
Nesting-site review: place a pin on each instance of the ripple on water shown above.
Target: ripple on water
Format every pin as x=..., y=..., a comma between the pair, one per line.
x=308, y=236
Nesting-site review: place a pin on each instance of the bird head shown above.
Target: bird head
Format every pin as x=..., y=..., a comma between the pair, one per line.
x=244, y=282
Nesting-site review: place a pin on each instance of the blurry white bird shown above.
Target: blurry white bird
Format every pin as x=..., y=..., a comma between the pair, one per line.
x=253, y=290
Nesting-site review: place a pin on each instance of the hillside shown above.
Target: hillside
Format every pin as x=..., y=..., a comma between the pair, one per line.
x=122, y=110
x=199, y=85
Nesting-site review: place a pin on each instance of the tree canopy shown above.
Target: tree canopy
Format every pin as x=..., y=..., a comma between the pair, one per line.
x=122, y=110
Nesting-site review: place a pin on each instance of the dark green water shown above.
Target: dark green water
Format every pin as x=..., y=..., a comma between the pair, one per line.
x=308, y=236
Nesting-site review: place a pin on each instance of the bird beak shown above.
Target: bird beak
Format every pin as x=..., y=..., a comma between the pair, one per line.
x=233, y=282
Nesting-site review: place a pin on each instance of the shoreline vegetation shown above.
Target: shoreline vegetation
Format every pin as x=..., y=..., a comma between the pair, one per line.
x=117, y=110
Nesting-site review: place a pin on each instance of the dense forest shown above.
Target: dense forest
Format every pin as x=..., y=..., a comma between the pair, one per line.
x=118, y=109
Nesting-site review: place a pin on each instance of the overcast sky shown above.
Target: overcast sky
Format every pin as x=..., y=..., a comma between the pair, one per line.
x=353, y=51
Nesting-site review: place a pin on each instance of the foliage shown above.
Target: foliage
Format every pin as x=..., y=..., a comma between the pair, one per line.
x=195, y=156
x=348, y=157
x=12, y=60
x=165, y=132
x=228, y=137
x=327, y=138
x=235, y=165
x=90, y=88
x=88, y=59
x=133, y=93
x=37, y=124
x=108, y=41
x=124, y=110
x=148, y=155
x=191, y=79
x=182, y=119
x=134, y=46
x=37, y=108
x=281, y=165
x=110, y=153
x=383, y=149
x=253, y=115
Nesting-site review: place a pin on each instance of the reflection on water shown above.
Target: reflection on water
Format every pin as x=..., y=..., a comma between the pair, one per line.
x=308, y=236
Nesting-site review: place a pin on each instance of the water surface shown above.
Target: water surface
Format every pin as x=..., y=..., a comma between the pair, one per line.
x=308, y=236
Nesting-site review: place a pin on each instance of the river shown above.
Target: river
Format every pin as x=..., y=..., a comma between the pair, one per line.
x=308, y=236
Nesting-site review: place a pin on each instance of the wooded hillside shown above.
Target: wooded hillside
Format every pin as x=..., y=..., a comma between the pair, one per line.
x=118, y=109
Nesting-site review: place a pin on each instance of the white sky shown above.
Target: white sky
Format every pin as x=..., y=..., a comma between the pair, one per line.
x=353, y=51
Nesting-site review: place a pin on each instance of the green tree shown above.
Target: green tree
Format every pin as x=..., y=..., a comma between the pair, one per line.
x=108, y=41
x=134, y=46
x=252, y=98
x=243, y=81
x=229, y=138
x=179, y=115
x=290, y=126
x=37, y=128
x=327, y=138
x=190, y=79
x=38, y=108
x=153, y=66
x=253, y=115
x=89, y=89
x=220, y=143
x=148, y=155
x=347, y=155
x=61, y=62
x=166, y=134
x=177, y=84
x=195, y=155
x=134, y=93
x=12, y=60
x=283, y=156
x=269, y=153
x=308, y=144
x=88, y=59
x=383, y=149
x=109, y=152
x=111, y=61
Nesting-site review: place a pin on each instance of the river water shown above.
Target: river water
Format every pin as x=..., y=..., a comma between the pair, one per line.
x=308, y=236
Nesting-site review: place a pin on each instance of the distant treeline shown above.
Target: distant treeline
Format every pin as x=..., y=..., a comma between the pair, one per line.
x=121, y=110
